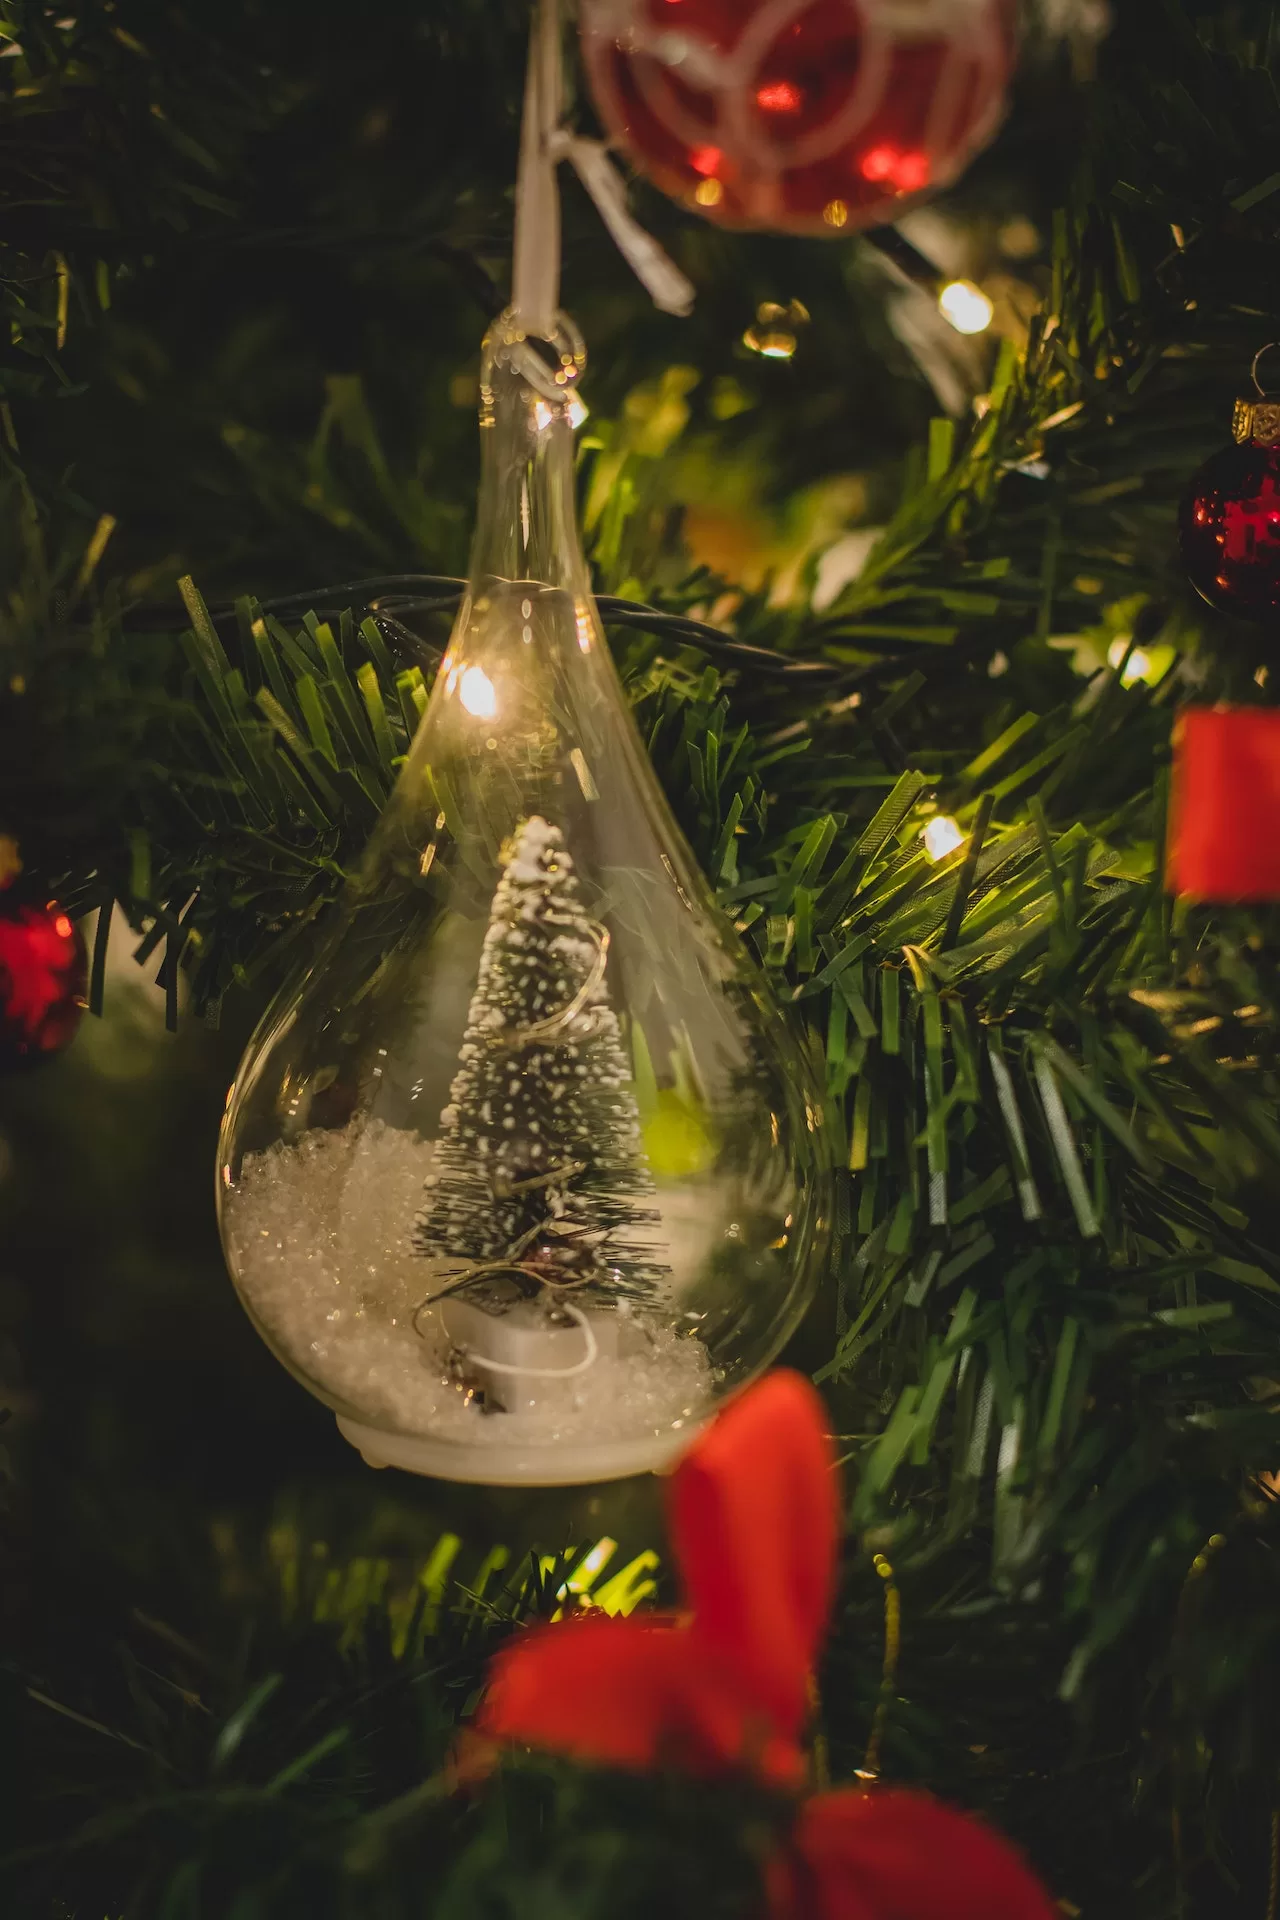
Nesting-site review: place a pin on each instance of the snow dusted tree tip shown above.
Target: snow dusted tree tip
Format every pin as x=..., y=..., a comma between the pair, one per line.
x=540, y=1157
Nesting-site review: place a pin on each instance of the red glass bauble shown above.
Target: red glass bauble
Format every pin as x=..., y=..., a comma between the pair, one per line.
x=42, y=977
x=1230, y=526
x=803, y=116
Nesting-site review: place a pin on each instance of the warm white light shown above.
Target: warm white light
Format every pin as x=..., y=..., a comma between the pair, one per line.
x=594, y=1563
x=942, y=836
x=544, y=414
x=773, y=343
x=1138, y=665
x=966, y=307
x=477, y=694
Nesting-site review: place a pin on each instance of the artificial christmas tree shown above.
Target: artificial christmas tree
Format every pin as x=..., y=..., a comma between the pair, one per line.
x=248, y=254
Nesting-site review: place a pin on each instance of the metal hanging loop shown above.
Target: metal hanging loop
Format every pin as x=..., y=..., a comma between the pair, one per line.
x=1253, y=371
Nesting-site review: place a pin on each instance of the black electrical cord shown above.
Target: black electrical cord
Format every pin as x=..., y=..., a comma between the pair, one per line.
x=389, y=598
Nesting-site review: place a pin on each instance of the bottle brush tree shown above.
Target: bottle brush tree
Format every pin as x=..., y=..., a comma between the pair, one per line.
x=540, y=1168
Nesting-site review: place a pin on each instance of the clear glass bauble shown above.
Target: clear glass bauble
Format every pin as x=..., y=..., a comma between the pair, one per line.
x=527, y=1172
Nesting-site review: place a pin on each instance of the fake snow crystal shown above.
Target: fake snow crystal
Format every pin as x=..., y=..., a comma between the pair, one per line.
x=320, y=1234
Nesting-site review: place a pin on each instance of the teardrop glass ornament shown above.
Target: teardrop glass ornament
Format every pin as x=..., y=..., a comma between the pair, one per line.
x=528, y=1171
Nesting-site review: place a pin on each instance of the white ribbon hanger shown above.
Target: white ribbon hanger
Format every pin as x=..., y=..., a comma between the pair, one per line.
x=544, y=142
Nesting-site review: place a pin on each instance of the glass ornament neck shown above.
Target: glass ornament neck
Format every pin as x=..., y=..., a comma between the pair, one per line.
x=526, y=524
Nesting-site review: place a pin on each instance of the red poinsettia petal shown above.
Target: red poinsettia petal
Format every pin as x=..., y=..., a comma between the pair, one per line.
x=596, y=1689
x=888, y=1855
x=753, y=1522
x=629, y=1693
x=753, y=1517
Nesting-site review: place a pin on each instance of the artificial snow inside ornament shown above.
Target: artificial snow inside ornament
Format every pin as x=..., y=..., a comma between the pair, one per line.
x=42, y=969
x=447, y=1187
x=803, y=116
x=1230, y=518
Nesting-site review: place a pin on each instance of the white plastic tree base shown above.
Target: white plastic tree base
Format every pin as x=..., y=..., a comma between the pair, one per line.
x=520, y=1352
x=497, y=1465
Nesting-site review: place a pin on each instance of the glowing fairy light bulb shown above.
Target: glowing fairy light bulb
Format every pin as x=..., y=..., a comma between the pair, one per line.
x=942, y=836
x=966, y=307
x=779, y=97
x=774, y=335
x=476, y=691
x=544, y=415
x=774, y=345
x=1136, y=667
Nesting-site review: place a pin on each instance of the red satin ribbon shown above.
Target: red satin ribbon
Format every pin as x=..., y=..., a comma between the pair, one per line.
x=724, y=1688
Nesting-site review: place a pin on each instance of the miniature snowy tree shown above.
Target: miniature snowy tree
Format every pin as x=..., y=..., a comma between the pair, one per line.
x=540, y=1158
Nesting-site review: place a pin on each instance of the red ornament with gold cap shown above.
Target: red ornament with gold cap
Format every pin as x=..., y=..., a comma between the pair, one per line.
x=42, y=969
x=802, y=116
x=1230, y=518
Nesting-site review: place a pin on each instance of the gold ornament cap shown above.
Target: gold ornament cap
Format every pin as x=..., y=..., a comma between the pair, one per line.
x=1258, y=420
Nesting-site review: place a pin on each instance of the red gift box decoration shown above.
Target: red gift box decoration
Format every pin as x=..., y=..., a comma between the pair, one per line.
x=1224, y=820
